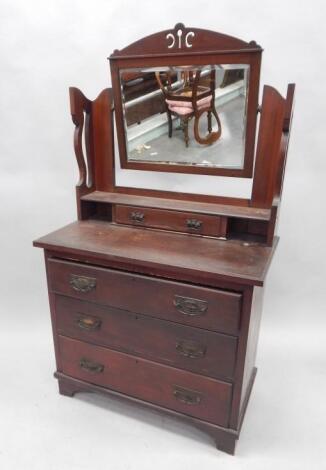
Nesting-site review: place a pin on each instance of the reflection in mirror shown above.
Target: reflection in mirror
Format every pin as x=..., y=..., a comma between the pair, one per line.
x=186, y=115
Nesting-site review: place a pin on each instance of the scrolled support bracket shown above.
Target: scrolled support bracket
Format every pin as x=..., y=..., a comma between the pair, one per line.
x=80, y=108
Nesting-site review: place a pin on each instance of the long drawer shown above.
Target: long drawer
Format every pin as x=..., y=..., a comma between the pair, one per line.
x=191, y=305
x=188, y=393
x=189, y=348
x=203, y=224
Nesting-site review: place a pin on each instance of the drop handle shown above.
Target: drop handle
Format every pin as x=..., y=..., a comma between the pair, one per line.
x=90, y=366
x=137, y=216
x=190, y=349
x=190, y=307
x=89, y=323
x=187, y=396
x=194, y=224
x=82, y=283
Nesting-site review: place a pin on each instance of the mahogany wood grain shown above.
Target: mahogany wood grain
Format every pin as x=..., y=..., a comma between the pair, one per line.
x=247, y=396
x=234, y=262
x=203, y=40
x=191, y=394
x=51, y=296
x=103, y=137
x=272, y=151
x=150, y=296
x=272, y=224
x=191, y=222
x=94, y=123
x=193, y=349
x=241, y=358
x=268, y=148
x=181, y=196
x=252, y=342
x=225, y=438
x=287, y=122
x=179, y=205
x=80, y=108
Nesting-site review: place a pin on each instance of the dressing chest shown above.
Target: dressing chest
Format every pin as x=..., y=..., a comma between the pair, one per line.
x=156, y=295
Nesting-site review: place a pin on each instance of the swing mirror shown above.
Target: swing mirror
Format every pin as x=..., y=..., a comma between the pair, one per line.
x=179, y=110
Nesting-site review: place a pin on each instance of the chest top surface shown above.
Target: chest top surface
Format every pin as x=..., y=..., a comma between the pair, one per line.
x=236, y=261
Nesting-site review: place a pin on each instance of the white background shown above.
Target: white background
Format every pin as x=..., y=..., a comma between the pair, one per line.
x=47, y=46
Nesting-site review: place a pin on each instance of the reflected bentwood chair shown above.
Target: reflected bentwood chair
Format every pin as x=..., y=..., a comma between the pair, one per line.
x=192, y=96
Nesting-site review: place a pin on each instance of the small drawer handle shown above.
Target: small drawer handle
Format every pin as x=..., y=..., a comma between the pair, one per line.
x=187, y=396
x=194, y=224
x=82, y=283
x=88, y=323
x=91, y=366
x=189, y=306
x=190, y=349
x=137, y=216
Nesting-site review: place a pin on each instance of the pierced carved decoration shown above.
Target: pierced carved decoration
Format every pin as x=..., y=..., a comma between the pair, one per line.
x=180, y=37
x=184, y=39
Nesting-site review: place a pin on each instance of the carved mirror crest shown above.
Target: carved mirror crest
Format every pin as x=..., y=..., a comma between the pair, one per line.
x=186, y=101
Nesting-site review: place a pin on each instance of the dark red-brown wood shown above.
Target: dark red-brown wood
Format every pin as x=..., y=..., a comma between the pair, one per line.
x=203, y=41
x=168, y=320
x=241, y=211
x=225, y=438
x=209, y=399
x=180, y=346
x=150, y=251
x=148, y=295
x=94, y=126
x=268, y=148
x=171, y=220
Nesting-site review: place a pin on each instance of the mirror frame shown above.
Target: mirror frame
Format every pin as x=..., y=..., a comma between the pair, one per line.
x=184, y=46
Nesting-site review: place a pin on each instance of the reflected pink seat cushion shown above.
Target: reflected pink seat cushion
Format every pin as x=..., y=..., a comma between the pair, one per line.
x=186, y=107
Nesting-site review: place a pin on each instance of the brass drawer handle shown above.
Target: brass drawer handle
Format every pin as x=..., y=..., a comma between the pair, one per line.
x=190, y=349
x=137, y=216
x=194, y=224
x=82, y=283
x=187, y=396
x=91, y=366
x=86, y=322
x=189, y=306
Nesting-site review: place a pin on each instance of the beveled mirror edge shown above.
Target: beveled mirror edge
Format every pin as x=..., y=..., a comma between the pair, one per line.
x=211, y=48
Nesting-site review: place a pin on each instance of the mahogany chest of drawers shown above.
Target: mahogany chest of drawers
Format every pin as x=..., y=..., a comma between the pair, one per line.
x=146, y=331
x=156, y=294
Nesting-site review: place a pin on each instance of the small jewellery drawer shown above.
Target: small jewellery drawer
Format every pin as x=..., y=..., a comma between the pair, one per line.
x=188, y=393
x=188, y=222
x=194, y=349
x=191, y=305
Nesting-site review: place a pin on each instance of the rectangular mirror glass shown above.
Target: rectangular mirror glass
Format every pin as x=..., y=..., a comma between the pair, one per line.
x=186, y=115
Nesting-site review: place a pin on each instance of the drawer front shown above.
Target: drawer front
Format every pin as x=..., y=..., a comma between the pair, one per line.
x=188, y=393
x=187, y=222
x=189, y=348
x=207, y=308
